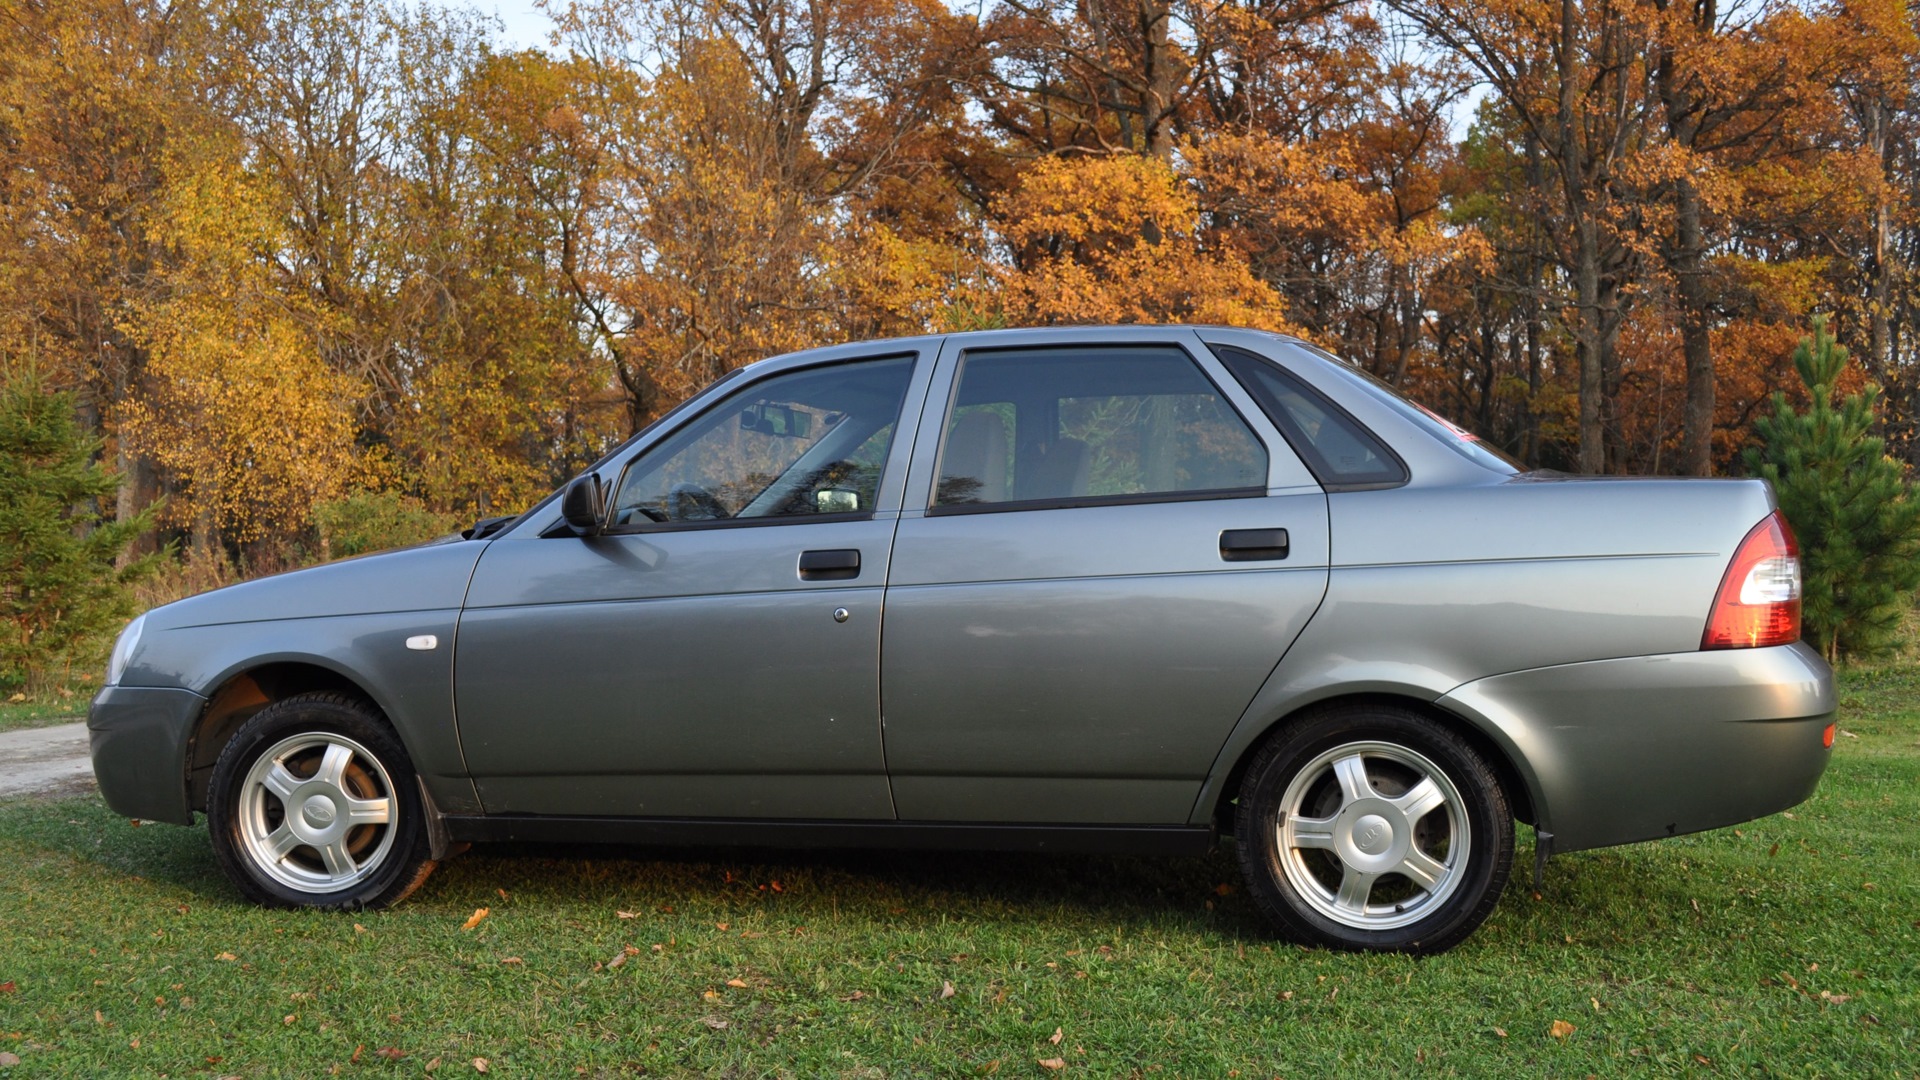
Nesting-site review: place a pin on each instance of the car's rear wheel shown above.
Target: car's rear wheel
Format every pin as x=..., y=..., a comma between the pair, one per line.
x=1373, y=827
x=314, y=803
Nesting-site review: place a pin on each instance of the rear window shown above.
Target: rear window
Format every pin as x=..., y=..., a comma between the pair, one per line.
x=1449, y=434
x=1341, y=453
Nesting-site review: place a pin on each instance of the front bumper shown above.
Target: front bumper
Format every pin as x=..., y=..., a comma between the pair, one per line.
x=1643, y=747
x=139, y=737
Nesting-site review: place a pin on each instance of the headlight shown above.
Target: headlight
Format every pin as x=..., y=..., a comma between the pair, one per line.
x=123, y=649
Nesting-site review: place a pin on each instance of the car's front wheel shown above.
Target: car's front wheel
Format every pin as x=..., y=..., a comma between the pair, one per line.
x=1373, y=827
x=313, y=803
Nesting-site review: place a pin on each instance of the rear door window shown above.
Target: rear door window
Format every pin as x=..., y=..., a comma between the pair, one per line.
x=1038, y=427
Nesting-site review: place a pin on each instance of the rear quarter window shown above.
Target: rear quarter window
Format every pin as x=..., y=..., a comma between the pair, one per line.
x=1340, y=451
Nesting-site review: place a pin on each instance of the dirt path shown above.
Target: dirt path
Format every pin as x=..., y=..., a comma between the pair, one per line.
x=45, y=761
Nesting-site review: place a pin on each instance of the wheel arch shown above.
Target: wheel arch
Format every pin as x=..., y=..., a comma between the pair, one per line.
x=238, y=695
x=1517, y=782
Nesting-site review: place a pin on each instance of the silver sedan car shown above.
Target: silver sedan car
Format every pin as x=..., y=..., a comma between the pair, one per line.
x=1123, y=589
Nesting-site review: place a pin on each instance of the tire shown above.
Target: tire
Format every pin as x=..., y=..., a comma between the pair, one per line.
x=1373, y=828
x=282, y=804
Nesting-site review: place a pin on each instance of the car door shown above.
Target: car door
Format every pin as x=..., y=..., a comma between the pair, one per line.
x=714, y=653
x=1108, y=550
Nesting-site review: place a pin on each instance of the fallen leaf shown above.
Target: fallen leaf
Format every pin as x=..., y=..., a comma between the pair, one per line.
x=479, y=1065
x=1561, y=1029
x=288, y=1019
x=627, y=914
x=737, y=984
x=717, y=1023
x=8, y=987
x=1057, y=1035
x=99, y=1017
x=358, y=929
x=1286, y=995
x=1774, y=850
x=776, y=886
x=1836, y=999
x=710, y=995
x=511, y=960
x=434, y=1064
x=946, y=990
x=719, y=926
x=1053, y=1063
x=855, y=996
x=226, y=956
x=1702, y=1059
x=619, y=959
x=502, y=892
x=473, y=920
x=391, y=1053
x=1845, y=734
x=355, y=1059
x=8, y=1061
x=1500, y=1032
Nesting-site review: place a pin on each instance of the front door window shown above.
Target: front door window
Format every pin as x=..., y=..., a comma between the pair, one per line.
x=799, y=445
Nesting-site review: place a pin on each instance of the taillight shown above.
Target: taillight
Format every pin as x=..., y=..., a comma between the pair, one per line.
x=1759, y=599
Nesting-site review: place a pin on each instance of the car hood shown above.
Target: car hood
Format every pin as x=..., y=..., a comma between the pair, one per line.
x=430, y=577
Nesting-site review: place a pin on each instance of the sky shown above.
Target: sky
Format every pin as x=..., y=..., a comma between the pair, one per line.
x=526, y=27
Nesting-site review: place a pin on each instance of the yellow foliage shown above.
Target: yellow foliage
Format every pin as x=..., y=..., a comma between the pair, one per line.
x=239, y=405
x=1117, y=240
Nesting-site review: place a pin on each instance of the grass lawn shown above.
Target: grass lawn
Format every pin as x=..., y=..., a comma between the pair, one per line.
x=17, y=715
x=1790, y=946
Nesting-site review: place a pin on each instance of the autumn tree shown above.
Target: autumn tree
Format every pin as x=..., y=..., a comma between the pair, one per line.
x=1117, y=240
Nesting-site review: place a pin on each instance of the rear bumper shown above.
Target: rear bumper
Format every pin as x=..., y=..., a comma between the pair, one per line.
x=139, y=740
x=1616, y=751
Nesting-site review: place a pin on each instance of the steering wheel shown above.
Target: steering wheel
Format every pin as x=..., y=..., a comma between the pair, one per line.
x=691, y=502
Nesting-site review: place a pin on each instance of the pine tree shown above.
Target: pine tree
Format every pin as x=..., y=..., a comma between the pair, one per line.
x=61, y=594
x=1848, y=503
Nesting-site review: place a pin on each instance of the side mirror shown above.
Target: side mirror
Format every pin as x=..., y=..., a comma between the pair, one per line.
x=584, y=505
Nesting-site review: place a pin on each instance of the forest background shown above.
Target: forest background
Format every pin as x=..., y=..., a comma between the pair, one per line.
x=318, y=276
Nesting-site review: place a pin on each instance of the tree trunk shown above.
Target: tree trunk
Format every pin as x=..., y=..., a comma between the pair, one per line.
x=1696, y=342
x=1589, y=349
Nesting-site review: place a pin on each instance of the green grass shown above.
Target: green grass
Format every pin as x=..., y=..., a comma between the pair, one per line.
x=19, y=715
x=1786, y=947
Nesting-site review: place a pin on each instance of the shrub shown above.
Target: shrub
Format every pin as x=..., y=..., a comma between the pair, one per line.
x=374, y=521
x=1848, y=503
x=62, y=594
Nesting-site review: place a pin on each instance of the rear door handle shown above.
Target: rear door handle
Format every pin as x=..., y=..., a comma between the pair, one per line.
x=1253, y=545
x=836, y=565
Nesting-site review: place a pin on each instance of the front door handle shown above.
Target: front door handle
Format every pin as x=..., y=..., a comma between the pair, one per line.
x=1253, y=545
x=837, y=565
